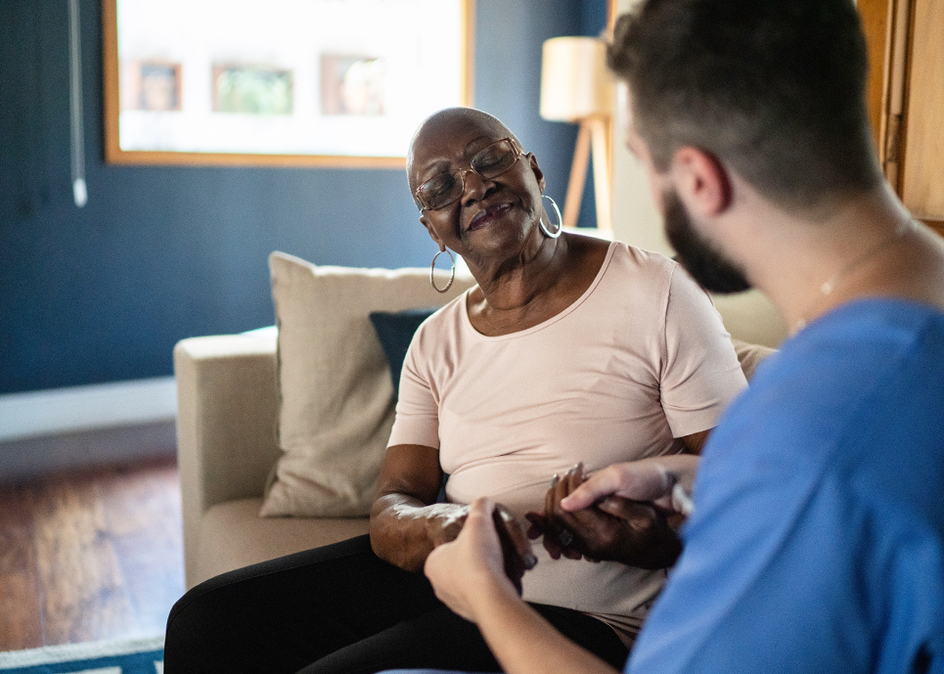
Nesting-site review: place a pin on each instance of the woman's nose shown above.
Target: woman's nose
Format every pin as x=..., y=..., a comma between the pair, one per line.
x=475, y=187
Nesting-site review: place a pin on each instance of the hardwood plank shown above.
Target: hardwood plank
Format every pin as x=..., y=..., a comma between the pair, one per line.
x=82, y=594
x=90, y=555
x=143, y=518
x=21, y=626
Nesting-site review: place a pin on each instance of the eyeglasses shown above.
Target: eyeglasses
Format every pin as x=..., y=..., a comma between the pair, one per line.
x=447, y=188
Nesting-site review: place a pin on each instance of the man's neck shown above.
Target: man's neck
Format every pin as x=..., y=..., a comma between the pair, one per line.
x=809, y=263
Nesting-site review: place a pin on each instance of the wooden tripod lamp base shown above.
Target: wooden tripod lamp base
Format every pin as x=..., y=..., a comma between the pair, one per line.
x=593, y=133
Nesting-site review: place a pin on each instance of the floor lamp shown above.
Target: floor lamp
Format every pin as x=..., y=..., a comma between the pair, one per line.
x=576, y=87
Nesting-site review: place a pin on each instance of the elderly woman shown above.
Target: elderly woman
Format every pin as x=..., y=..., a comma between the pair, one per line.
x=569, y=349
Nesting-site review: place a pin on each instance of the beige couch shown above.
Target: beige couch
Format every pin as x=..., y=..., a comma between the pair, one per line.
x=227, y=401
x=228, y=410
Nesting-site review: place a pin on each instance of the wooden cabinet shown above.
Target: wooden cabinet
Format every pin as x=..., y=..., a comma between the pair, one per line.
x=906, y=99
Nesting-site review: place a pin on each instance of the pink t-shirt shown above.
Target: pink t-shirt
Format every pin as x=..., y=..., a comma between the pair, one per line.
x=640, y=359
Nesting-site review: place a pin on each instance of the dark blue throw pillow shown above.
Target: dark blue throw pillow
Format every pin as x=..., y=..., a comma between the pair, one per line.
x=395, y=331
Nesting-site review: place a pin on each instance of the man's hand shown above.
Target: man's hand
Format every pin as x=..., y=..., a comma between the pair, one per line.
x=490, y=555
x=623, y=513
x=468, y=575
x=664, y=481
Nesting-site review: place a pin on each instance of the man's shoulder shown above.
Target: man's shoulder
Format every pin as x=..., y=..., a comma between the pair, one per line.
x=867, y=339
x=864, y=376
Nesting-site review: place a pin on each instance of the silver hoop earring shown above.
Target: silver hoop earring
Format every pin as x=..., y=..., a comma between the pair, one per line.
x=553, y=234
x=432, y=268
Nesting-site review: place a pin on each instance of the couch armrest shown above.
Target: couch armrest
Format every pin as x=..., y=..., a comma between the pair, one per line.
x=227, y=400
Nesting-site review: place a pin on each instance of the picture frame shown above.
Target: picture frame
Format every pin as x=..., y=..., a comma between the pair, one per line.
x=334, y=83
x=252, y=90
x=151, y=85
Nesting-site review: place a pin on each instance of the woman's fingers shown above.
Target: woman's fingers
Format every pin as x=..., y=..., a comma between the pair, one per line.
x=564, y=528
x=559, y=527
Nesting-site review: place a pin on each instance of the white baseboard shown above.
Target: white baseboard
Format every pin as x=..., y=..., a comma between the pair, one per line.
x=80, y=408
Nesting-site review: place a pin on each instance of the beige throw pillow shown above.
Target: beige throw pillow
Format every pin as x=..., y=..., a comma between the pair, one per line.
x=336, y=398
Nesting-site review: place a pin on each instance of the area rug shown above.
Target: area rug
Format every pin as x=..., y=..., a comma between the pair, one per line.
x=134, y=656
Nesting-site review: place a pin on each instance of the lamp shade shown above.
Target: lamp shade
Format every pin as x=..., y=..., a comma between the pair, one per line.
x=575, y=83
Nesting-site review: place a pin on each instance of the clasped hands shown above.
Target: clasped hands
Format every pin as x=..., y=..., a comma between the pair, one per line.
x=623, y=513
x=596, y=524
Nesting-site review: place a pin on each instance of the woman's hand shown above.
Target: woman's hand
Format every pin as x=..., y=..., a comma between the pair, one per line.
x=587, y=520
x=444, y=521
x=406, y=524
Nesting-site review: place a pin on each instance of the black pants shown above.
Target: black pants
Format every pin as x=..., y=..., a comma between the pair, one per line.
x=338, y=609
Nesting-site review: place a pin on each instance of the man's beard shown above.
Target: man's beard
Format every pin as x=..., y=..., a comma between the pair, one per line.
x=710, y=269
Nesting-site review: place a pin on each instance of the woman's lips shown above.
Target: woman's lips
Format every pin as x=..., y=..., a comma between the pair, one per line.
x=486, y=216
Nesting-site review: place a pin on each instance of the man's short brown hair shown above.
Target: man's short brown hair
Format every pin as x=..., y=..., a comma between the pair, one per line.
x=775, y=88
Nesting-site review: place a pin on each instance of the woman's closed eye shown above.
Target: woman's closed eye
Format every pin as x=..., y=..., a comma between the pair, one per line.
x=441, y=184
x=441, y=191
x=489, y=162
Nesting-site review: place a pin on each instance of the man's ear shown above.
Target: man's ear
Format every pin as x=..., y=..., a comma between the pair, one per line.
x=701, y=180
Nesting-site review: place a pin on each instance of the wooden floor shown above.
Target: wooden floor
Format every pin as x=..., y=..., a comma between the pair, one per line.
x=90, y=556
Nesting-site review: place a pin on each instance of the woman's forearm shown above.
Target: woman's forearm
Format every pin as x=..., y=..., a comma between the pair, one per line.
x=405, y=521
x=404, y=530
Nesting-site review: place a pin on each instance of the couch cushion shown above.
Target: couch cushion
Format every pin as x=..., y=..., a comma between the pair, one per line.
x=232, y=535
x=336, y=402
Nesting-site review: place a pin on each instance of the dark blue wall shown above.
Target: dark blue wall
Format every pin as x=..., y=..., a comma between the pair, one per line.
x=102, y=293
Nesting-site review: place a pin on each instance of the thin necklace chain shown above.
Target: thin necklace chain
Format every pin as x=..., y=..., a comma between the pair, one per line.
x=830, y=284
